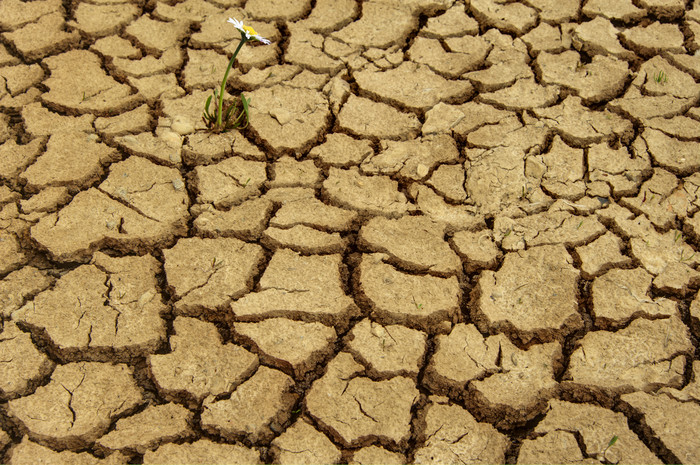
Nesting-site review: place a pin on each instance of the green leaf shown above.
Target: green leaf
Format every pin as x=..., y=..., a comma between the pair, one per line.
x=612, y=441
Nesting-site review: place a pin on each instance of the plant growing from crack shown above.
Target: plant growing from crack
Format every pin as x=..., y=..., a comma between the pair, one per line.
x=660, y=77
x=229, y=116
x=610, y=444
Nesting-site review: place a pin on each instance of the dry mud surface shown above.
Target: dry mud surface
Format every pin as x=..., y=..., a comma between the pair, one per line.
x=454, y=232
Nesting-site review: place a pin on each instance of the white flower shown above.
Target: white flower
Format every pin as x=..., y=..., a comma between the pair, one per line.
x=248, y=31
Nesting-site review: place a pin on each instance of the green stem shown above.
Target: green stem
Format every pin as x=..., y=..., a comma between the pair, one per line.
x=223, y=83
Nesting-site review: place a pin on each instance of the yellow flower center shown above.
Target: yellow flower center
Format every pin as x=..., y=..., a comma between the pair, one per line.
x=250, y=30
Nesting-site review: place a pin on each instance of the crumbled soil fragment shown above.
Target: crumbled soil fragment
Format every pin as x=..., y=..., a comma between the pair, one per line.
x=461, y=119
x=596, y=426
x=330, y=15
x=156, y=36
x=287, y=172
x=305, y=50
x=601, y=79
x=39, y=121
x=28, y=452
x=565, y=170
x=206, y=274
x=64, y=412
x=376, y=195
x=152, y=147
x=477, y=249
x=381, y=24
x=298, y=287
x=656, y=251
x=313, y=212
x=580, y=127
x=388, y=350
x=191, y=10
x=400, y=86
x=463, y=54
x=621, y=170
x=412, y=159
x=514, y=18
x=38, y=39
x=17, y=79
x=497, y=180
x=554, y=447
x=130, y=122
x=342, y=151
x=11, y=255
x=14, y=158
x=245, y=221
x=109, y=307
x=599, y=37
x=71, y=159
x=103, y=20
x=451, y=433
x=525, y=94
x=507, y=384
x=19, y=286
x=115, y=47
x=414, y=242
x=229, y=182
x=288, y=119
x=451, y=217
x=601, y=255
x=387, y=123
x=153, y=211
x=78, y=84
x=548, y=228
x=149, y=428
x=455, y=22
x=448, y=180
x=304, y=239
x=301, y=443
x=409, y=299
x=21, y=363
x=554, y=11
x=655, y=200
x=621, y=10
x=207, y=148
x=532, y=295
x=256, y=409
x=16, y=13
x=654, y=39
x=358, y=410
x=203, y=452
x=620, y=295
x=653, y=357
x=673, y=422
x=678, y=156
x=294, y=347
x=199, y=364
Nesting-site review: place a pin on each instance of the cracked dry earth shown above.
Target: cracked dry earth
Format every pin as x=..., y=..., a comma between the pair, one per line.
x=454, y=232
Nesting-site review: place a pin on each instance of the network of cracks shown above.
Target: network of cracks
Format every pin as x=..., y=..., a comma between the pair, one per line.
x=453, y=232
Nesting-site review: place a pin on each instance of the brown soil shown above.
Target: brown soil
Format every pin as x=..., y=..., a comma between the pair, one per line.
x=455, y=231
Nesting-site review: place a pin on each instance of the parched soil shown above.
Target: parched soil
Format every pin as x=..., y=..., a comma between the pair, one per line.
x=454, y=231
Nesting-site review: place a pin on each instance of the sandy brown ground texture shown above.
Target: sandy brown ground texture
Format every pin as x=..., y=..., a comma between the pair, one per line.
x=454, y=232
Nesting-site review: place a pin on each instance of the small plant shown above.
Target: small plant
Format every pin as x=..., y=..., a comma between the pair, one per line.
x=660, y=77
x=230, y=116
x=418, y=306
x=610, y=444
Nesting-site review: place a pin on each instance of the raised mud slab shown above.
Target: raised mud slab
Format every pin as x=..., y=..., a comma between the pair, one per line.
x=454, y=231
